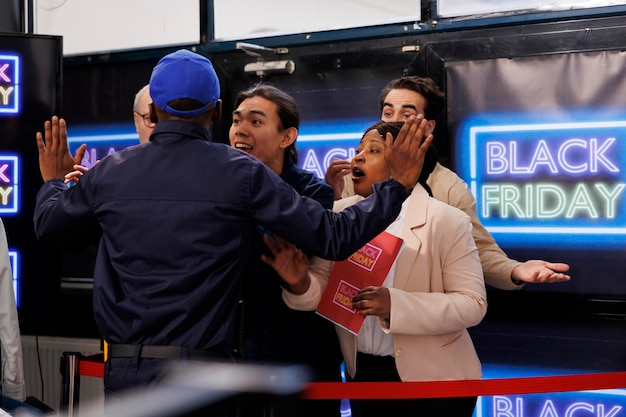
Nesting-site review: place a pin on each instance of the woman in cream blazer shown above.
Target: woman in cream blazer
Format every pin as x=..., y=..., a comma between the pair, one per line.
x=437, y=292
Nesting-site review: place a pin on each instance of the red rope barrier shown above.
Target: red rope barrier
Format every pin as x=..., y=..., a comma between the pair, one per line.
x=435, y=389
x=91, y=366
x=466, y=388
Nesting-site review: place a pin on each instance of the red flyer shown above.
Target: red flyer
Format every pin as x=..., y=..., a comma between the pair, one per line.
x=367, y=266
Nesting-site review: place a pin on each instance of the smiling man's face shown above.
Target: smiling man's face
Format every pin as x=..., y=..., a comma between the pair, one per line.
x=255, y=129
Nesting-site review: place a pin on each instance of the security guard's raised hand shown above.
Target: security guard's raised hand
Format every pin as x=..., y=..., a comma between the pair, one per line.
x=55, y=159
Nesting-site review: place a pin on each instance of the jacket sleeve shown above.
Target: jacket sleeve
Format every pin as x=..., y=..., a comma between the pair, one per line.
x=64, y=215
x=303, y=221
x=10, y=341
x=497, y=267
x=319, y=271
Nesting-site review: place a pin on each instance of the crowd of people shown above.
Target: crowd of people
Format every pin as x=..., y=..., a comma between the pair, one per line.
x=216, y=252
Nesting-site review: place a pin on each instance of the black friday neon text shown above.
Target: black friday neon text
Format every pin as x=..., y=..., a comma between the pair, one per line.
x=551, y=178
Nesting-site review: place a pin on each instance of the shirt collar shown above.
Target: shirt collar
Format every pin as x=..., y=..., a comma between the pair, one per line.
x=180, y=127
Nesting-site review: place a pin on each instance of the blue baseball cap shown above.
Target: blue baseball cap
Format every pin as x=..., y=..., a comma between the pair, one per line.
x=184, y=75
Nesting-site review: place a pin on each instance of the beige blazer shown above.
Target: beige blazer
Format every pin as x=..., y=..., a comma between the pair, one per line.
x=438, y=293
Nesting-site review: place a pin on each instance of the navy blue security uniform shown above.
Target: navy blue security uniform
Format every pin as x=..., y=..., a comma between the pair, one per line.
x=177, y=217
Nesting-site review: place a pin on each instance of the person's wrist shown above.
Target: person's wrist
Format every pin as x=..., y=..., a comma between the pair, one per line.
x=301, y=287
x=402, y=184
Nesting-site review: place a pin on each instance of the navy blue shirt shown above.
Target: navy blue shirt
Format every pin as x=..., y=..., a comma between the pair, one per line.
x=177, y=217
x=272, y=331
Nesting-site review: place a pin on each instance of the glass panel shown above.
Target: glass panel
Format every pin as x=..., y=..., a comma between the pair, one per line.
x=258, y=18
x=90, y=26
x=454, y=8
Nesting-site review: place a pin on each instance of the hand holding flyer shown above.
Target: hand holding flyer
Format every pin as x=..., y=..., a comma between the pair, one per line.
x=367, y=266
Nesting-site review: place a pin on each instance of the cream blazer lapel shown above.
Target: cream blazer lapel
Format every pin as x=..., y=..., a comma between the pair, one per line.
x=415, y=218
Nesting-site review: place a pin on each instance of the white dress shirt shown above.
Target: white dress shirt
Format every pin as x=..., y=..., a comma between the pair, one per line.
x=372, y=338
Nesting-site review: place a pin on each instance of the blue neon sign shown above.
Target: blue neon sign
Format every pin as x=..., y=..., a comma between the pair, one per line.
x=601, y=403
x=318, y=143
x=534, y=177
x=101, y=140
x=317, y=151
x=9, y=184
x=9, y=83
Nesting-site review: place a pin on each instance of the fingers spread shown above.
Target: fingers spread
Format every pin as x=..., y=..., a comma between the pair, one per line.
x=80, y=153
x=40, y=144
x=63, y=135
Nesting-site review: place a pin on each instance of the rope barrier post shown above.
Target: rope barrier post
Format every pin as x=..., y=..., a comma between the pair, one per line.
x=70, y=382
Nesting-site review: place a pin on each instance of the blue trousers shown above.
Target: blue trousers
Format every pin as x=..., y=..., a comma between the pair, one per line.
x=122, y=374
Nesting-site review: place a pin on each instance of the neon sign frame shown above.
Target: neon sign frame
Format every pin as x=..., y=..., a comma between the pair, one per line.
x=473, y=161
x=13, y=83
x=14, y=183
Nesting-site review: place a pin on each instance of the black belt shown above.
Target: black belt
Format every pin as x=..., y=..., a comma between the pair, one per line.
x=163, y=352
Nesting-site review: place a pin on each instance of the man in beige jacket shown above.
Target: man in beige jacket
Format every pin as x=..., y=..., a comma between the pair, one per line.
x=408, y=96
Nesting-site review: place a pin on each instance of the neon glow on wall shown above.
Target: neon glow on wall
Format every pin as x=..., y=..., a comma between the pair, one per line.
x=9, y=184
x=545, y=178
x=318, y=144
x=601, y=403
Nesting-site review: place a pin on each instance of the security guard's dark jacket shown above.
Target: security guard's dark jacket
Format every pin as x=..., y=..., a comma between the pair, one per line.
x=177, y=216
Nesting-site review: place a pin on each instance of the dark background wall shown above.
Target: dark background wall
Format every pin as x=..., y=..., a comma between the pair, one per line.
x=11, y=16
x=338, y=80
